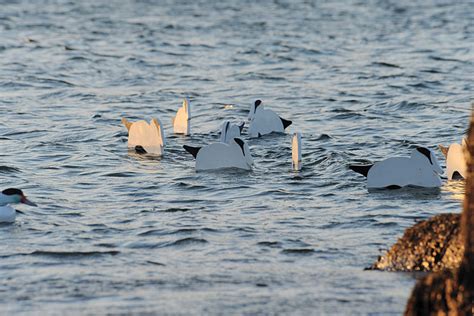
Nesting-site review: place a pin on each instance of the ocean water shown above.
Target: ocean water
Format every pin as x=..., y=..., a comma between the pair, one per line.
x=119, y=233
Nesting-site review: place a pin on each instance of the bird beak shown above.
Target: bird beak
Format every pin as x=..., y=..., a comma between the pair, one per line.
x=24, y=200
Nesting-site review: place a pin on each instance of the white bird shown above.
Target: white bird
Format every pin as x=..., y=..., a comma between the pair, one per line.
x=455, y=161
x=11, y=196
x=230, y=131
x=144, y=137
x=264, y=121
x=296, y=151
x=236, y=154
x=421, y=169
x=181, y=124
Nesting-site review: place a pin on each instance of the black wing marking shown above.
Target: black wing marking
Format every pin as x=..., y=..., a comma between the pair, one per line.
x=241, y=144
x=192, y=150
x=426, y=152
x=286, y=123
x=363, y=170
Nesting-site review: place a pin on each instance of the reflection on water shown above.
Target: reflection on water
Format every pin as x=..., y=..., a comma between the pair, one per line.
x=454, y=189
x=407, y=193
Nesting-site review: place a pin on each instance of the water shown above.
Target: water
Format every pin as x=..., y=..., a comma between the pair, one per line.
x=119, y=233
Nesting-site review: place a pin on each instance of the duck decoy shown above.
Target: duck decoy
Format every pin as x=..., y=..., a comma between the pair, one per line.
x=229, y=131
x=421, y=169
x=455, y=161
x=11, y=196
x=146, y=137
x=235, y=154
x=263, y=121
x=181, y=122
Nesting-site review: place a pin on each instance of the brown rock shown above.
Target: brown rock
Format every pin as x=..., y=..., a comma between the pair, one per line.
x=431, y=245
x=439, y=294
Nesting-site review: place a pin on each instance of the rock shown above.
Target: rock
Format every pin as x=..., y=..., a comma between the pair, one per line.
x=434, y=244
x=439, y=294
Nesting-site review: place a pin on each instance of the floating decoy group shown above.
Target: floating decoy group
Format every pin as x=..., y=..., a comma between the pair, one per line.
x=421, y=169
x=231, y=151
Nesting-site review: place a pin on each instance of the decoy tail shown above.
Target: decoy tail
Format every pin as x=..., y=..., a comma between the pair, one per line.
x=140, y=150
x=363, y=170
x=126, y=123
x=192, y=150
x=444, y=150
x=286, y=123
x=241, y=127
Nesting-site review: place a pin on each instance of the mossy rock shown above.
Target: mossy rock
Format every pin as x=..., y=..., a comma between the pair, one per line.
x=431, y=245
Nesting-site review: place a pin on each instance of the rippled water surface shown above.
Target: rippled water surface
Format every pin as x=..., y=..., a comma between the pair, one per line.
x=116, y=232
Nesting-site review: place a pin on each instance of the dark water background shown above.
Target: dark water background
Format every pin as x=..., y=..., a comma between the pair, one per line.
x=119, y=233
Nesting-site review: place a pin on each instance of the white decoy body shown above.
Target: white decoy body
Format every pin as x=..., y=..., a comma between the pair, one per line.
x=296, y=151
x=236, y=154
x=264, y=121
x=455, y=160
x=181, y=124
x=422, y=169
x=230, y=131
x=148, y=137
x=11, y=196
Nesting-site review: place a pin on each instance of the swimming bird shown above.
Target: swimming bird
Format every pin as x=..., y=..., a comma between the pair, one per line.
x=236, y=154
x=144, y=137
x=296, y=151
x=264, y=121
x=181, y=124
x=11, y=196
x=455, y=161
x=230, y=131
x=421, y=169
